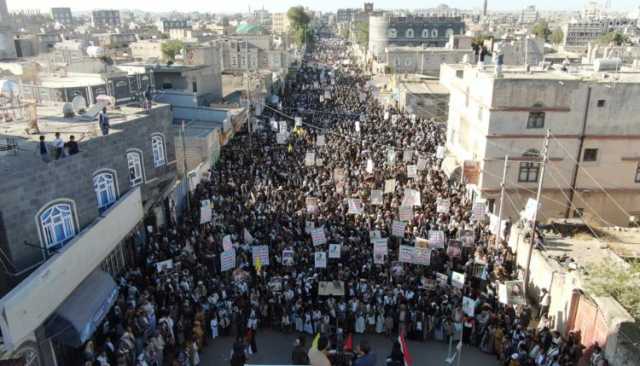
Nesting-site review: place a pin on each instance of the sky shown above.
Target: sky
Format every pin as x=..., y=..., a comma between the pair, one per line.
x=228, y=6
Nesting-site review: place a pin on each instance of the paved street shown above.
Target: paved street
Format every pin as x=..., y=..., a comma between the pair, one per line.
x=275, y=349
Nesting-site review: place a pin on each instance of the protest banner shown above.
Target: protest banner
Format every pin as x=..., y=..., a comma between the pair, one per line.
x=320, y=260
x=391, y=156
x=468, y=238
x=376, y=197
x=281, y=138
x=331, y=288
x=411, y=198
x=369, y=168
x=164, y=265
x=260, y=252
x=405, y=213
x=380, y=244
x=312, y=204
x=309, y=226
x=226, y=242
x=407, y=156
x=511, y=293
x=310, y=159
x=442, y=279
x=471, y=171
x=412, y=171
x=406, y=253
x=436, y=239
x=439, y=152
x=496, y=227
x=205, y=211
x=454, y=248
x=298, y=121
x=374, y=234
x=443, y=205
x=422, y=164
x=228, y=260
x=397, y=228
x=338, y=174
x=355, y=206
x=478, y=210
x=457, y=279
x=287, y=257
x=274, y=125
x=357, y=127
x=421, y=243
x=389, y=186
x=334, y=251
x=386, y=116
x=248, y=238
x=320, y=141
x=318, y=236
x=478, y=270
x=422, y=256
x=283, y=128
x=530, y=209
x=468, y=306
x=319, y=162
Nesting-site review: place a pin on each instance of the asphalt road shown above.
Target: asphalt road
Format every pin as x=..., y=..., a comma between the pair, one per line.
x=274, y=348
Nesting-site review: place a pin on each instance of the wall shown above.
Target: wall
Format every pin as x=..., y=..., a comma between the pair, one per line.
x=31, y=184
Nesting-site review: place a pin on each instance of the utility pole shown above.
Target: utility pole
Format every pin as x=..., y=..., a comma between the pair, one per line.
x=249, y=113
x=502, y=186
x=576, y=169
x=532, y=240
x=184, y=165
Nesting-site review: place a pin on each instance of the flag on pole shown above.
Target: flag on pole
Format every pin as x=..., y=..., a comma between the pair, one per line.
x=405, y=351
x=314, y=344
x=348, y=344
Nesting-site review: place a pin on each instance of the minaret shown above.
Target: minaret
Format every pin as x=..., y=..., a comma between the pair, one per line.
x=484, y=8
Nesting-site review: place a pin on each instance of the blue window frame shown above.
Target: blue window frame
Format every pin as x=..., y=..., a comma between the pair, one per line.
x=105, y=188
x=58, y=225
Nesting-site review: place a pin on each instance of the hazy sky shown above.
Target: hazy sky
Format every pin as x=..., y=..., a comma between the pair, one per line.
x=281, y=5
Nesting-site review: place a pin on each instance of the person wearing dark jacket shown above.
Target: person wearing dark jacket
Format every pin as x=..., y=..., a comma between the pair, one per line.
x=238, y=356
x=299, y=354
x=395, y=358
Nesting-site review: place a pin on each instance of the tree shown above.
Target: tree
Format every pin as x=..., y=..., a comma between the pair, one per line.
x=557, y=36
x=361, y=30
x=615, y=38
x=621, y=283
x=171, y=48
x=299, y=24
x=541, y=30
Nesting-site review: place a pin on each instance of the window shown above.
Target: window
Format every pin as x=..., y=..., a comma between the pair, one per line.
x=409, y=33
x=194, y=86
x=57, y=225
x=590, y=155
x=393, y=33
x=425, y=33
x=536, y=120
x=407, y=62
x=134, y=161
x=157, y=146
x=601, y=103
x=434, y=33
x=460, y=74
x=637, y=180
x=529, y=170
x=105, y=188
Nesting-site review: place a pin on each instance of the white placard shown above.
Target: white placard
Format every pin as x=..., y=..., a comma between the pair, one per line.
x=478, y=210
x=422, y=256
x=376, y=197
x=319, y=162
x=281, y=138
x=226, y=243
x=421, y=242
x=298, y=121
x=355, y=206
x=164, y=265
x=310, y=159
x=334, y=250
x=397, y=229
x=411, y=198
x=380, y=244
x=248, y=238
x=318, y=237
x=405, y=213
x=338, y=174
x=391, y=156
x=440, y=152
x=308, y=227
x=407, y=156
x=320, y=260
x=457, y=279
x=443, y=205
x=357, y=126
x=374, y=234
x=369, y=168
x=389, y=186
x=320, y=141
x=422, y=164
x=262, y=252
x=205, y=211
x=530, y=209
x=412, y=171
x=468, y=306
x=312, y=204
x=406, y=253
x=287, y=257
x=496, y=227
x=436, y=239
x=386, y=116
x=283, y=128
x=274, y=125
x=228, y=260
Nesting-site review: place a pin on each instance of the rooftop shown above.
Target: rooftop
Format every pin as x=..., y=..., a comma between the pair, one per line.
x=424, y=87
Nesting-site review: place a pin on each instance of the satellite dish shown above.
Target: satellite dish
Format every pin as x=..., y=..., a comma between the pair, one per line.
x=79, y=104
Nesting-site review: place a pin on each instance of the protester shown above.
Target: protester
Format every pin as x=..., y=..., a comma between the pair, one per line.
x=58, y=147
x=268, y=190
x=103, y=121
x=43, y=149
x=71, y=146
x=299, y=354
x=365, y=356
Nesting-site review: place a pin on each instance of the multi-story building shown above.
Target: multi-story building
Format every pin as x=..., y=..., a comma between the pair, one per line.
x=68, y=226
x=279, y=23
x=251, y=53
x=422, y=60
x=577, y=35
x=529, y=15
x=7, y=45
x=345, y=15
x=165, y=25
x=386, y=30
x=105, y=18
x=62, y=16
x=116, y=40
x=591, y=171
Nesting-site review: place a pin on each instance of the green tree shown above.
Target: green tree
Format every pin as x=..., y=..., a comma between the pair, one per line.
x=621, y=283
x=615, y=38
x=299, y=24
x=171, y=48
x=361, y=30
x=557, y=36
x=541, y=30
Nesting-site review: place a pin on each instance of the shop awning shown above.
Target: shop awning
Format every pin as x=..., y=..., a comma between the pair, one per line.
x=74, y=322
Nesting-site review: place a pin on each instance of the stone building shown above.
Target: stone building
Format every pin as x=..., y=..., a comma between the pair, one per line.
x=387, y=30
x=578, y=34
x=105, y=18
x=592, y=126
x=62, y=16
x=279, y=23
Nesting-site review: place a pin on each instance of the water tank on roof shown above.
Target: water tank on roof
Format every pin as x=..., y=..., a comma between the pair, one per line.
x=607, y=64
x=95, y=51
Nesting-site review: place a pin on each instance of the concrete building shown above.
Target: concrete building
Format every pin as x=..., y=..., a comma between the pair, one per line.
x=82, y=219
x=252, y=52
x=578, y=34
x=116, y=40
x=421, y=60
x=529, y=15
x=7, y=45
x=165, y=25
x=62, y=16
x=280, y=23
x=389, y=30
x=105, y=18
x=345, y=15
x=592, y=126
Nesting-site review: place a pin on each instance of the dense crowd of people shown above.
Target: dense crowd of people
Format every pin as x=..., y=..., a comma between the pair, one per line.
x=266, y=190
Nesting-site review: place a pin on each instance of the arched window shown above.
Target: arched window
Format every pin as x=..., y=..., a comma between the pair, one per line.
x=425, y=33
x=57, y=225
x=136, y=172
x=393, y=33
x=434, y=33
x=157, y=146
x=105, y=187
x=409, y=33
